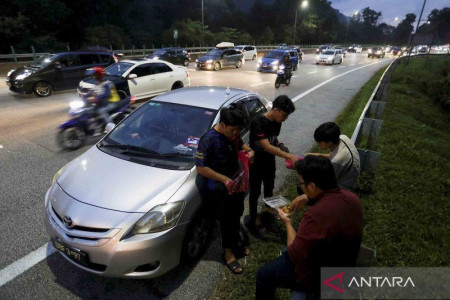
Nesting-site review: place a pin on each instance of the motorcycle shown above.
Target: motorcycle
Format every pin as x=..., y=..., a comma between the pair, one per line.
x=282, y=77
x=85, y=122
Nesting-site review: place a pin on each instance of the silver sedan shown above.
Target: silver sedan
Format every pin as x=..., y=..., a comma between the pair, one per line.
x=129, y=206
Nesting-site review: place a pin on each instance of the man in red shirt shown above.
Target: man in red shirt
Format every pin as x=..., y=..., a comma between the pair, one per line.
x=329, y=234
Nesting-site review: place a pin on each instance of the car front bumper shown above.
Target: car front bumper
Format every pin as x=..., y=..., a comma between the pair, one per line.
x=138, y=256
x=19, y=86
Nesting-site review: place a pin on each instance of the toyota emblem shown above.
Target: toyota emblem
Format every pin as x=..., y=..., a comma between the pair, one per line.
x=68, y=222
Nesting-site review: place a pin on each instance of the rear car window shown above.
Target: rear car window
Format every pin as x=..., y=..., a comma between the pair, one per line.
x=160, y=68
x=89, y=59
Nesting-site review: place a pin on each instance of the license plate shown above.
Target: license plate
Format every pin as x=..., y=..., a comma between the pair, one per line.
x=73, y=254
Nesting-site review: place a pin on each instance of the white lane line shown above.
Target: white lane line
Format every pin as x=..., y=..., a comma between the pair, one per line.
x=329, y=80
x=20, y=266
x=342, y=66
x=261, y=83
x=312, y=72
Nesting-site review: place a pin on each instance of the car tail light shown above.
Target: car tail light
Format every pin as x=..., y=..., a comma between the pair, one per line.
x=132, y=99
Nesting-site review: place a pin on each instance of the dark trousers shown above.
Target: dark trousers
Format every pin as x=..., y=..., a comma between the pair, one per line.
x=260, y=173
x=228, y=209
x=276, y=273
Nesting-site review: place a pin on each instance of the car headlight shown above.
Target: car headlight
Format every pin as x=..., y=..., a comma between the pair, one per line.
x=274, y=63
x=160, y=218
x=76, y=104
x=260, y=61
x=9, y=73
x=370, y=50
x=378, y=52
x=22, y=76
x=209, y=61
x=196, y=60
x=317, y=49
x=57, y=175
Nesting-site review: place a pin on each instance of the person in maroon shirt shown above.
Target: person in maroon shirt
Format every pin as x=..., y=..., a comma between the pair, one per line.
x=329, y=234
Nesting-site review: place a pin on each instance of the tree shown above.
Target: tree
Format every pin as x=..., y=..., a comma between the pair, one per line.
x=107, y=35
x=404, y=29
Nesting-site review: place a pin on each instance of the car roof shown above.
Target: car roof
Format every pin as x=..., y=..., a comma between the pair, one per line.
x=83, y=52
x=211, y=97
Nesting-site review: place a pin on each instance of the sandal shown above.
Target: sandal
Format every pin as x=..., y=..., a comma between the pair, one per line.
x=234, y=266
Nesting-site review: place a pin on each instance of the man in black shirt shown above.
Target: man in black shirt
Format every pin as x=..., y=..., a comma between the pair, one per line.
x=217, y=162
x=264, y=131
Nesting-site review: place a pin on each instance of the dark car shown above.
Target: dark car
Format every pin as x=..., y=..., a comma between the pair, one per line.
x=219, y=58
x=57, y=71
x=273, y=59
x=177, y=56
x=397, y=51
x=377, y=52
x=323, y=47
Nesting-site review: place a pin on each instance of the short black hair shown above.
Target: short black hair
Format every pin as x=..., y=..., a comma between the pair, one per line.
x=317, y=169
x=327, y=132
x=231, y=117
x=284, y=103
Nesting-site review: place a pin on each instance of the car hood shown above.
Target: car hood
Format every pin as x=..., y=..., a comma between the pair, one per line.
x=23, y=70
x=207, y=57
x=105, y=181
x=325, y=56
x=113, y=78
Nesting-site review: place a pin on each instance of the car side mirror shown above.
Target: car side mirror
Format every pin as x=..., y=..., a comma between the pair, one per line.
x=132, y=76
x=109, y=127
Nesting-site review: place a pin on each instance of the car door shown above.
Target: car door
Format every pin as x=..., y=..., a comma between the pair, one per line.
x=70, y=71
x=255, y=108
x=163, y=76
x=171, y=56
x=225, y=58
x=144, y=84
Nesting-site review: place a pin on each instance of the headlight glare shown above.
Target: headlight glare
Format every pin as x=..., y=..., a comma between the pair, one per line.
x=57, y=175
x=76, y=104
x=209, y=61
x=160, y=218
x=22, y=76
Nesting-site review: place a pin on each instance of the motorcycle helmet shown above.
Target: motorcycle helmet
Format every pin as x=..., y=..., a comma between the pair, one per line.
x=99, y=73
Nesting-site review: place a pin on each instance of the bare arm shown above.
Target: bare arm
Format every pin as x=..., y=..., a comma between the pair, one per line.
x=291, y=233
x=210, y=173
x=275, y=150
x=327, y=155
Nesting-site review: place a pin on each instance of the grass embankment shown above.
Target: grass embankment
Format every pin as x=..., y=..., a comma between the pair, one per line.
x=407, y=214
x=262, y=251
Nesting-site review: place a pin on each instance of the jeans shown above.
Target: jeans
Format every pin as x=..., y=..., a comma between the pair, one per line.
x=260, y=174
x=279, y=272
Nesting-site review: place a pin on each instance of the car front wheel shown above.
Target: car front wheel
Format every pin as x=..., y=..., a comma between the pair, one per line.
x=177, y=85
x=42, y=89
x=197, y=237
x=217, y=66
x=238, y=64
x=186, y=62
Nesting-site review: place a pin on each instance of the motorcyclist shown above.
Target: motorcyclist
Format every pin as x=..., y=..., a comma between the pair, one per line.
x=104, y=94
x=287, y=66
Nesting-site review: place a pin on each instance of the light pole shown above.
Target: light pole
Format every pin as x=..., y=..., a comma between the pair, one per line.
x=203, y=28
x=348, y=22
x=304, y=5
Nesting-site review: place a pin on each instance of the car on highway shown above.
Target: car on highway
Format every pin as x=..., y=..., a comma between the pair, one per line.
x=224, y=55
x=355, y=48
x=323, y=48
x=141, y=78
x=396, y=51
x=377, y=52
x=176, y=56
x=58, y=71
x=274, y=58
x=129, y=206
x=342, y=50
x=329, y=57
x=249, y=51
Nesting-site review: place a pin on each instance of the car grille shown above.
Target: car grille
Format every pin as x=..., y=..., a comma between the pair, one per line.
x=81, y=228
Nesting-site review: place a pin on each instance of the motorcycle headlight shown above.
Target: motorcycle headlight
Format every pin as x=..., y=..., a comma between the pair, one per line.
x=260, y=61
x=378, y=52
x=22, y=76
x=281, y=67
x=209, y=61
x=160, y=218
x=9, y=73
x=76, y=104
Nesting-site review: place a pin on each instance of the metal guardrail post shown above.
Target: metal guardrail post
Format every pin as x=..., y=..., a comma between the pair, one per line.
x=13, y=53
x=34, y=53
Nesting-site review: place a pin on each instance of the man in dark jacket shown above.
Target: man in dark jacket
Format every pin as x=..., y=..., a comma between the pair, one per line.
x=329, y=234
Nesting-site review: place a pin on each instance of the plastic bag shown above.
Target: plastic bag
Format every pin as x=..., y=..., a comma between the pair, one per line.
x=288, y=163
x=240, y=181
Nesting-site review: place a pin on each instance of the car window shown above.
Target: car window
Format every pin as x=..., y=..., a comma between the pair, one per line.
x=171, y=52
x=160, y=68
x=105, y=58
x=274, y=54
x=89, y=59
x=118, y=68
x=254, y=107
x=67, y=61
x=293, y=53
x=142, y=70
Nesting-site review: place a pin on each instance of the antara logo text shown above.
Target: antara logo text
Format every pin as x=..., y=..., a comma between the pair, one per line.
x=372, y=281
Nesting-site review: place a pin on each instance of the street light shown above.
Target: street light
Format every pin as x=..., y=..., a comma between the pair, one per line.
x=346, y=33
x=303, y=5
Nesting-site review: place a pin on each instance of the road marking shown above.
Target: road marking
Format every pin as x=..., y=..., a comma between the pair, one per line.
x=312, y=72
x=20, y=266
x=329, y=80
x=261, y=83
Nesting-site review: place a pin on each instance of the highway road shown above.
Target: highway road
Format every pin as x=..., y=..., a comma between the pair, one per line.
x=29, y=157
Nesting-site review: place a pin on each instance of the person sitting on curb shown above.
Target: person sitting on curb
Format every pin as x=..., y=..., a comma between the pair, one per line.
x=329, y=234
x=343, y=154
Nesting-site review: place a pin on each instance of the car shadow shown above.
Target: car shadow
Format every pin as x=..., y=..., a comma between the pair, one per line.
x=90, y=286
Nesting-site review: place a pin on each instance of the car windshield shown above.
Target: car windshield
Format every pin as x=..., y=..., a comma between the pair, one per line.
x=160, y=134
x=238, y=48
x=215, y=52
x=274, y=54
x=328, y=52
x=43, y=61
x=160, y=52
x=118, y=68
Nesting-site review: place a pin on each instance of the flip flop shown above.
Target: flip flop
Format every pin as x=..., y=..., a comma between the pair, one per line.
x=233, y=266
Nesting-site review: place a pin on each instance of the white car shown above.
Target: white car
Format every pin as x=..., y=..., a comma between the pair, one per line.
x=329, y=57
x=248, y=51
x=141, y=78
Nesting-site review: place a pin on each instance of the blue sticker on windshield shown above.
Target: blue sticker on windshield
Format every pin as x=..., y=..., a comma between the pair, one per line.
x=192, y=141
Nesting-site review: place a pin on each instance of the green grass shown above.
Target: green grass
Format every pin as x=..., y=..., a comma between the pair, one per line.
x=407, y=207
